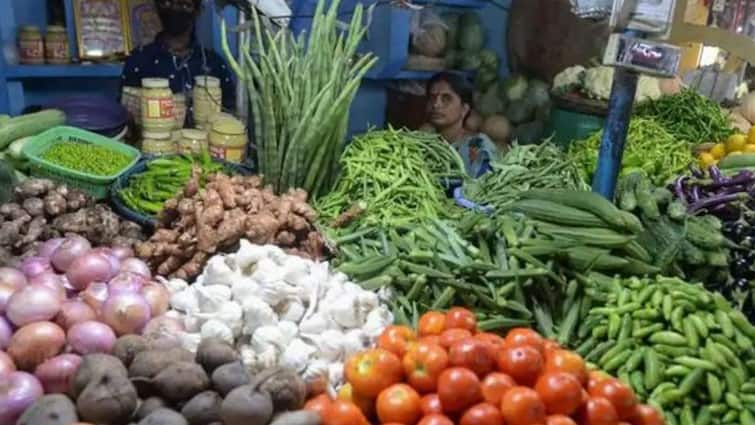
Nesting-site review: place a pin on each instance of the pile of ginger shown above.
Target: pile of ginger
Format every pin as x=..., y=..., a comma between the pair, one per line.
x=199, y=223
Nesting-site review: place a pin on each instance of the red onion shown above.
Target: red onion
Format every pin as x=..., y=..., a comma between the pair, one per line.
x=35, y=343
x=52, y=281
x=91, y=337
x=157, y=297
x=72, y=248
x=6, y=291
x=32, y=266
x=6, y=363
x=88, y=268
x=57, y=373
x=6, y=332
x=126, y=313
x=115, y=262
x=12, y=277
x=95, y=295
x=48, y=248
x=74, y=311
x=162, y=332
x=137, y=266
x=33, y=303
x=126, y=282
x=122, y=252
x=18, y=391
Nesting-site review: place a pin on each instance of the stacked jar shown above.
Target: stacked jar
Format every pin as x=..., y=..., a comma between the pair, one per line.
x=158, y=114
x=208, y=100
x=31, y=46
x=228, y=139
x=131, y=99
x=158, y=143
x=192, y=142
x=56, y=46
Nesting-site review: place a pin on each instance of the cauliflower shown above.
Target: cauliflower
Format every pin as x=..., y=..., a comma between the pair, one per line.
x=597, y=82
x=568, y=79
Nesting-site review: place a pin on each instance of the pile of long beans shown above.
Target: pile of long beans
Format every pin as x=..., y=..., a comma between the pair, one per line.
x=524, y=167
x=395, y=175
x=301, y=89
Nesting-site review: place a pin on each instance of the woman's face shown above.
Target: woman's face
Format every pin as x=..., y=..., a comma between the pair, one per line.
x=444, y=107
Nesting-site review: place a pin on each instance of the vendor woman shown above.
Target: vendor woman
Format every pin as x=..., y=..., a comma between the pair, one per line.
x=449, y=104
x=176, y=54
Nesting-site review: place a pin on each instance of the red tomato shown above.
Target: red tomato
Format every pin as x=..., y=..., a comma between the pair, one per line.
x=319, y=404
x=458, y=388
x=482, y=414
x=518, y=337
x=396, y=339
x=620, y=395
x=495, y=342
x=523, y=363
x=399, y=403
x=495, y=385
x=431, y=404
x=343, y=413
x=597, y=411
x=522, y=406
x=423, y=365
x=461, y=318
x=646, y=415
x=365, y=404
x=372, y=371
x=450, y=336
x=550, y=345
x=435, y=419
x=559, y=420
x=594, y=377
x=431, y=323
x=566, y=361
x=472, y=354
x=431, y=339
x=560, y=391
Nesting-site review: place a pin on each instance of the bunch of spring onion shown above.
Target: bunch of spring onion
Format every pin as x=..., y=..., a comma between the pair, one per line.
x=301, y=89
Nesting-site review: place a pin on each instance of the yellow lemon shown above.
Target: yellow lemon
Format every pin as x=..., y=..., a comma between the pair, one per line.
x=706, y=160
x=718, y=150
x=749, y=148
x=751, y=135
x=736, y=142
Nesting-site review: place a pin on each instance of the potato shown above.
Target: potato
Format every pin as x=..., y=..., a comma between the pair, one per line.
x=164, y=416
x=299, y=417
x=93, y=365
x=128, y=346
x=148, y=406
x=245, y=406
x=230, y=376
x=285, y=386
x=109, y=398
x=148, y=364
x=181, y=381
x=214, y=352
x=203, y=408
x=53, y=409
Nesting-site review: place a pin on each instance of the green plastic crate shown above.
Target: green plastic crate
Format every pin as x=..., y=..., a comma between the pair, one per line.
x=97, y=186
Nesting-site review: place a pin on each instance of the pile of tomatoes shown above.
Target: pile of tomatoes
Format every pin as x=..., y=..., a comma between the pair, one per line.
x=448, y=373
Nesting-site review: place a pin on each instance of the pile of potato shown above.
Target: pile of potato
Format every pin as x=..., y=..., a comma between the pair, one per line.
x=142, y=385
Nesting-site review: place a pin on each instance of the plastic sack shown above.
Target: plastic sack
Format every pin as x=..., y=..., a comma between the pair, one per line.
x=428, y=33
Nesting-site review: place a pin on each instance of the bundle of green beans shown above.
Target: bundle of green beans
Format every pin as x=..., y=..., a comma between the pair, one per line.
x=163, y=179
x=688, y=116
x=473, y=261
x=301, y=90
x=684, y=349
x=395, y=175
x=649, y=148
x=524, y=167
x=87, y=158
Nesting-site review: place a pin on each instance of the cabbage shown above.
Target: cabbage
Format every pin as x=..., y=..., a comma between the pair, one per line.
x=471, y=35
x=489, y=103
x=514, y=88
x=452, y=58
x=451, y=20
x=430, y=40
x=520, y=111
x=469, y=61
x=538, y=92
x=488, y=59
x=485, y=77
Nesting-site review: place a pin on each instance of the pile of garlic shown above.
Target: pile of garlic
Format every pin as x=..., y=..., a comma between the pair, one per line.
x=280, y=310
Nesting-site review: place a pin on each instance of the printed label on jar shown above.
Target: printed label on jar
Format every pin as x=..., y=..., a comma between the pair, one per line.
x=158, y=108
x=31, y=50
x=227, y=153
x=57, y=51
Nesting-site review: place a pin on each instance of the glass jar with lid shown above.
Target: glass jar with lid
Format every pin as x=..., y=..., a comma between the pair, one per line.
x=228, y=140
x=180, y=110
x=158, y=143
x=31, y=46
x=193, y=142
x=158, y=105
x=208, y=99
x=56, y=45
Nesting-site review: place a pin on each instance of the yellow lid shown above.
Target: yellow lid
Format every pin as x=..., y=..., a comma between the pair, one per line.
x=157, y=135
x=56, y=29
x=155, y=83
x=228, y=126
x=193, y=134
x=207, y=81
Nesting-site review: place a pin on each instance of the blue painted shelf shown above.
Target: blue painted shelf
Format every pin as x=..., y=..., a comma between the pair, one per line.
x=20, y=72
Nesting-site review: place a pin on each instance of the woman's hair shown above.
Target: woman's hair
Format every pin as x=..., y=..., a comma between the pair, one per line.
x=458, y=83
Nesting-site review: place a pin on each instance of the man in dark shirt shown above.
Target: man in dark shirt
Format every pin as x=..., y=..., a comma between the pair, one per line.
x=176, y=55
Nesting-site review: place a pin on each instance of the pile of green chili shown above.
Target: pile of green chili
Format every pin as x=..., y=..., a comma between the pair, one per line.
x=87, y=158
x=688, y=116
x=395, y=175
x=649, y=148
x=524, y=167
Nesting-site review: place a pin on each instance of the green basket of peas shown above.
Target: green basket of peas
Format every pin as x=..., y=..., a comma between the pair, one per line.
x=79, y=158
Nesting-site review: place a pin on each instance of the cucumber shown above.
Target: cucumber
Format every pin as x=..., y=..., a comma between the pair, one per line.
x=29, y=125
x=737, y=161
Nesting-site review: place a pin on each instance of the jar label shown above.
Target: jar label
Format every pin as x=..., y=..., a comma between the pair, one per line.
x=159, y=108
x=56, y=50
x=31, y=50
x=227, y=153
